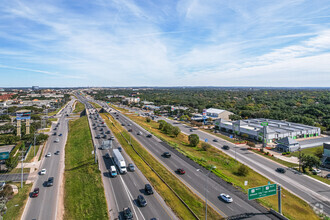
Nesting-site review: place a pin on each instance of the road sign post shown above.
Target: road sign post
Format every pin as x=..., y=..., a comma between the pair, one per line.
x=262, y=191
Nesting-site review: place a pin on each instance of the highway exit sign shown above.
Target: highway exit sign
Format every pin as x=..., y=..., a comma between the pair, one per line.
x=264, y=124
x=262, y=191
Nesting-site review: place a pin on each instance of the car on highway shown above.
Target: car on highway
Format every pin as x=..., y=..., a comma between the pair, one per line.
x=122, y=124
x=55, y=128
x=191, y=130
x=35, y=192
x=57, y=140
x=225, y=147
x=113, y=171
x=57, y=152
x=127, y=213
x=149, y=135
x=104, y=136
x=95, y=128
x=101, y=129
x=120, y=149
x=54, y=133
x=43, y=172
x=280, y=170
x=98, y=136
x=131, y=167
x=166, y=154
x=148, y=189
x=107, y=132
x=226, y=198
x=130, y=130
x=141, y=200
x=180, y=171
x=49, y=154
x=215, y=140
x=107, y=156
x=60, y=135
x=50, y=181
x=139, y=133
x=111, y=138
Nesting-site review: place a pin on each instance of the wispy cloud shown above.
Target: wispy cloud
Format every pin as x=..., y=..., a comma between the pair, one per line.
x=122, y=43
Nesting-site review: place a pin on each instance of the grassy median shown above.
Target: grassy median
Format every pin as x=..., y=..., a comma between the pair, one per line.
x=79, y=107
x=193, y=201
x=292, y=206
x=83, y=191
x=95, y=105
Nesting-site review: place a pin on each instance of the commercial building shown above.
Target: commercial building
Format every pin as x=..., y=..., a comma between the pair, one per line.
x=326, y=155
x=287, y=144
x=215, y=113
x=271, y=129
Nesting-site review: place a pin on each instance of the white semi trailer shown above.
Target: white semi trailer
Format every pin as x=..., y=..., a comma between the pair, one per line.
x=119, y=161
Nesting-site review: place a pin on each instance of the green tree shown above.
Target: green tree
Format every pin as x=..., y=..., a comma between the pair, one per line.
x=193, y=140
x=148, y=119
x=242, y=170
x=168, y=129
x=309, y=161
x=162, y=123
x=319, y=153
x=176, y=131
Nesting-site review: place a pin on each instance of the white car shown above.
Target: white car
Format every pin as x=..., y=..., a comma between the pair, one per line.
x=316, y=171
x=226, y=198
x=43, y=172
x=49, y=154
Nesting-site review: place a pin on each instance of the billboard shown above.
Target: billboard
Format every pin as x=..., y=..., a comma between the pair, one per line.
x=4, y=155
x=23, y=115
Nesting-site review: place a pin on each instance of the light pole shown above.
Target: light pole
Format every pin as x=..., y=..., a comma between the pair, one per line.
x=206, y=185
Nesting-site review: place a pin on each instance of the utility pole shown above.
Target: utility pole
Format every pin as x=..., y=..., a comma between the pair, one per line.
x=279, y=200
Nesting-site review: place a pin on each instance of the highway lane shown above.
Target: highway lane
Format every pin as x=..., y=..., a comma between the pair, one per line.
x=45, y=205
x=122, y=191
x=314, y=192
x=193, y=178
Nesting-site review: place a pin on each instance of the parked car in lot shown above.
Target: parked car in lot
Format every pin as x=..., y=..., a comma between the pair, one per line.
x=225, y=147
x=180, y=171
x=141, y=200
x=226, y=198
x=127, y=213
x=35, y=192
x=166, y=154
x=316, y=171
x=50, y=181
x=43, y=172
x=327, y=176
x=148, y=189
x=49, y=154
x=131, y=167
x=149, y=135
x=280, y=170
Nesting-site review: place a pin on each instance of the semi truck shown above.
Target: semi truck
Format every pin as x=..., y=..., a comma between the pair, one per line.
x=119, y=161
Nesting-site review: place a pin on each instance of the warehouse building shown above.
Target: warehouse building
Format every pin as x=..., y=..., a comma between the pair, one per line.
x=273, y=129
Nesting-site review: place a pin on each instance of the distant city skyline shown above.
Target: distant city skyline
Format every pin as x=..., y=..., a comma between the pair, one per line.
x=165, y=43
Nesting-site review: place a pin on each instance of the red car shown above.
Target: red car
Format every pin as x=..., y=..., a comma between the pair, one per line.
x=181, y=171
x=35, y=192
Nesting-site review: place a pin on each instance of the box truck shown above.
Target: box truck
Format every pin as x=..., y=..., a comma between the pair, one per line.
x=119, y=161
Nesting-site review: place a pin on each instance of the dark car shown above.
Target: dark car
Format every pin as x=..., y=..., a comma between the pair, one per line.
x=127, y=213
x=104, y=136
x=167, y=154
x=327, y=176
x=55, y=128
x=35, y=192
x=280, y=170
x=107, y=132
x=225, y=147
x=98, y=136
x=180, y=171
x=50, y=181
x=149, y=136
x=191, y=130
x=54, y=133
x=215, y=140
x=130, y=130
x=123, y=124
x=141, y=200
x=148, y=189
x=120, y=149
x=60, y=135
x=57, y=152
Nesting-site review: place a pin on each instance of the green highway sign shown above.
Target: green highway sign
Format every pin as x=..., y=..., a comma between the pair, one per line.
x=262, y=191
x=264, y=124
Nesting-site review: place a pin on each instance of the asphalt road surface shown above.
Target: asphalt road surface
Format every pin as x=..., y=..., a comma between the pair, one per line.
x=45, y=205
x=195, y=179
x=122, y=191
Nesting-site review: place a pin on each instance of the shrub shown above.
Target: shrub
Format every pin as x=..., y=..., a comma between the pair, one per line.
x=193, y=140
x=148, y=119
x=205, y=146
x=243, y=170
x=251, y=144
x=176, y=131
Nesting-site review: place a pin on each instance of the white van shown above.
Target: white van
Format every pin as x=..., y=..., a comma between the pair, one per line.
x=113, y=171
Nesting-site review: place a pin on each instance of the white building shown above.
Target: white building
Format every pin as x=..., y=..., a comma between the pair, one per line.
x=215, y=113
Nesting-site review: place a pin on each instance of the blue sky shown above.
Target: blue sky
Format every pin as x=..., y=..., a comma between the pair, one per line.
x=165, y=43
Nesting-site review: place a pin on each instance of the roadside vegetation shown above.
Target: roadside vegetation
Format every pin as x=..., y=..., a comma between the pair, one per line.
x=83, y=190
x=79, y=107
x=194, y=202
x=228, y=169
x=15, y=206
x=95, y=105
